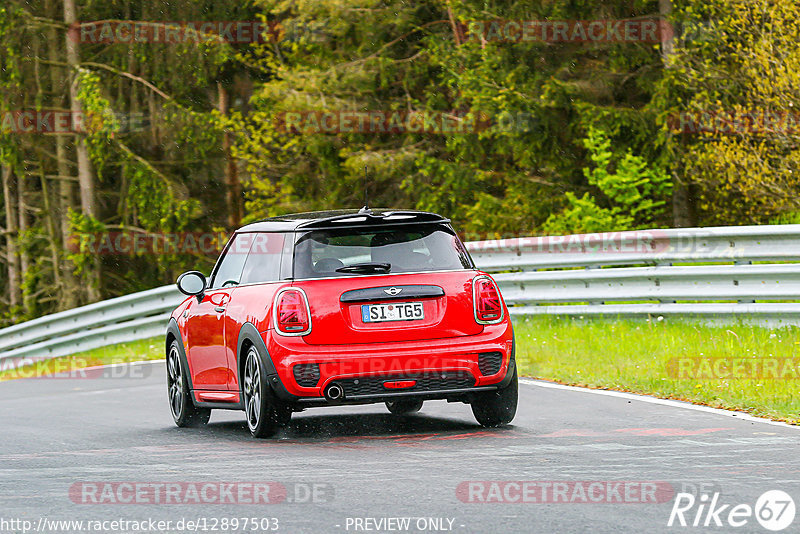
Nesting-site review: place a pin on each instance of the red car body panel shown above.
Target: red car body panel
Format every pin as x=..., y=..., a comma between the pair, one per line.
x=341, y=346
x=207, y=353
x=338, y=323
x=405, y=357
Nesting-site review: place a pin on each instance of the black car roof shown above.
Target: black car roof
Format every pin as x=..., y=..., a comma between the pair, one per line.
x=316, y=220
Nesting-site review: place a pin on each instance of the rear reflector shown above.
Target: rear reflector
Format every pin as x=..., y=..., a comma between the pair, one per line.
x=488, y=306
x=292, y=314
x=400, y=384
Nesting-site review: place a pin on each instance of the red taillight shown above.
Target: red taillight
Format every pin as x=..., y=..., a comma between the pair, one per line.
x=292, y=313
x=400, y=384
x=488, y=306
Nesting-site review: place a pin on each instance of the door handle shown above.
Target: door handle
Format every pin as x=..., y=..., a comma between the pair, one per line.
x=219, y=309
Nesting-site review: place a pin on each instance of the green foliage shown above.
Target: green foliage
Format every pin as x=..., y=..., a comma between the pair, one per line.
x=155, y=198
x=635, y=193
x=584, y=216
x=507, y=177
x=157, y=205
x=84, y=229
x=735, y=57
x=99, y=120
x=11, y=18
x=787, y=218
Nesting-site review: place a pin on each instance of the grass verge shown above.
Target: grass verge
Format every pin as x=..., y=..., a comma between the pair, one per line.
x=738, y=367
x=144, y=349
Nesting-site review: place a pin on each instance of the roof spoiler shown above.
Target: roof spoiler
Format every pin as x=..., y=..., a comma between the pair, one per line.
x=368, y=218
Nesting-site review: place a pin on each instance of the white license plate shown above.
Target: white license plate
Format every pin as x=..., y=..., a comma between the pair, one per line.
x=400, y=311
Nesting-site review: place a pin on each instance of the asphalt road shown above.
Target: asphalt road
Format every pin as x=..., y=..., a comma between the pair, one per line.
x=66, y=441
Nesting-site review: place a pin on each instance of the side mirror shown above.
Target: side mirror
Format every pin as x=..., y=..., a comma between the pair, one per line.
x=192, y=283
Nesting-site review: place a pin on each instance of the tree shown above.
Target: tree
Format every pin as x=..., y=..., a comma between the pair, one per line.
x=531, y=102
x=733, y=86
x=520, y=137
x=635, y=195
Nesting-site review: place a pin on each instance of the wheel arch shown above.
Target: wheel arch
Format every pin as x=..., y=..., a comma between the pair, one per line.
x=174, y=334
x=512, y=362
x=249, y=336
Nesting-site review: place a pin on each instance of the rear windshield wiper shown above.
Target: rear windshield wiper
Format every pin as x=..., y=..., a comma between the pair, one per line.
x=365, y=268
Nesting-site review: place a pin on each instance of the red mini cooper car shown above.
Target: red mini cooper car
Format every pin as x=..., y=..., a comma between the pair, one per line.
x=337, y=308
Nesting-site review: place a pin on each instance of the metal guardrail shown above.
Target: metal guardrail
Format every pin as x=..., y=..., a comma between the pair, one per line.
x=128, y=318
x=776, y=243
x=619, y=273
x=634, y=273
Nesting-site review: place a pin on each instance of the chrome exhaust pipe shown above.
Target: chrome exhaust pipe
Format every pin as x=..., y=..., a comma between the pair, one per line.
x=334, y=392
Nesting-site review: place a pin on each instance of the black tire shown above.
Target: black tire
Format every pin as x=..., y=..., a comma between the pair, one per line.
x=261, y=408
x=184, y=412
x=403, y=407
x=496, y=408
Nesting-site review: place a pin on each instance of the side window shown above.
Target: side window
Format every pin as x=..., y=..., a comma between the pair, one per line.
x=229, y=271
x=264, y=259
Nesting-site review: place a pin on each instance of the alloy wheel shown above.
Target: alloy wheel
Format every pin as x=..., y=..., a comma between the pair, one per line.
x=175, y=382
x=252, y=389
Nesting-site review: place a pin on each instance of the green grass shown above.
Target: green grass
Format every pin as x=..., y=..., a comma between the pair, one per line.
x=145, y=349
x=634, y=355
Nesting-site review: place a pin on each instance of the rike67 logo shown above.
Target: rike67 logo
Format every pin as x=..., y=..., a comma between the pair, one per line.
x=774, y=510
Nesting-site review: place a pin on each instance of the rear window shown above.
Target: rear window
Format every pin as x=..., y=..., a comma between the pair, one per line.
x=406, y=249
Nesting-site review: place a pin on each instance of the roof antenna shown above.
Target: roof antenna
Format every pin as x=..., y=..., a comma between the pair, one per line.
x=365, y=209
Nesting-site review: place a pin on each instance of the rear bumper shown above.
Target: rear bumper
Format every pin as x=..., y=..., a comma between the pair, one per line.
x=442, y=368
x=453, y=394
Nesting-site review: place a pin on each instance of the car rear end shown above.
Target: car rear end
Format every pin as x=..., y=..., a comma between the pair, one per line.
x=388, y=307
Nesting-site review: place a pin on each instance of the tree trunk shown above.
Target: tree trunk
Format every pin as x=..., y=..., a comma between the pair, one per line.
x=52, y=236
x=9, y=195
x=24, y=256
x=683, y=212
x=667, y=34
x=85, y=178
x=455, y=26
x=234, y=187
x=70, y=294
